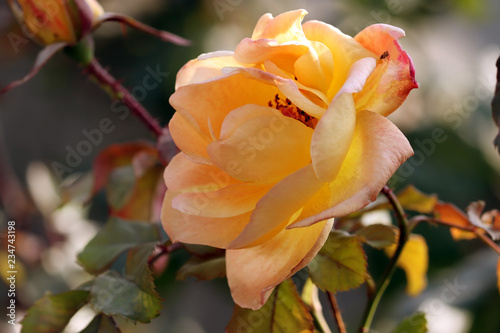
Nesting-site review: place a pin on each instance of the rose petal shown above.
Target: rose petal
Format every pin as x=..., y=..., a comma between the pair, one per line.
x=315, y=68
x=288, y=87
x=345, y=51
x=332, y=137
x=253, y=273
x=241, y=115
x=217, y=232
x=278, y=207
x=206, y=67
x=257, y=51
x=358, y=75
x=378, y=148
x=190, y=141
x=207, y=104
x=394, y=77
x=57, y=26
x=270, y=67
x=254, y=138
x=232, y=200
x=284, y=27
x=183, y=175
x=261, y=25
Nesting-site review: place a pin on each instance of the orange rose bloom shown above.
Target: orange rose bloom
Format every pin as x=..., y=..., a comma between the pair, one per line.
x=278, y=138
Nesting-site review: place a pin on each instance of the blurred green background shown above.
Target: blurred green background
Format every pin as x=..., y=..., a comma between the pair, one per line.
x=454, y=45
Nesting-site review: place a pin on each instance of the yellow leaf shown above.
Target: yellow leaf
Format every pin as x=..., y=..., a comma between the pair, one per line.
x=414, y=260
x=412, y=199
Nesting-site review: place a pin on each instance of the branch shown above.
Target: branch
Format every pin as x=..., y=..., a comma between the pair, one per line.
x=387, y=275
x=336, y=312
x=165, y=250
x=471, y=228
x=114, y=88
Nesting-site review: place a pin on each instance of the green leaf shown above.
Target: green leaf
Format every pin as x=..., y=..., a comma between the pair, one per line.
x=116, y=237
x=52, y=313
x=284, y=311
x=102, y=324
x=377, y=235
x=114, y=295
x=416, y=323
x=340, y=265
x=137, y=267
x=203, y=269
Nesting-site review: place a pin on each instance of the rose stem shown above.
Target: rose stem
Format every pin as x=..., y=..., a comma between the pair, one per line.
x=476, y=230
x=387, y=275
x=114, y=88
x=165, y=250
x=336, y=312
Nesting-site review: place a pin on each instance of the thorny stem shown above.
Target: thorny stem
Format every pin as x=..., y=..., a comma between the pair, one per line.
x=476, y=230
x=336, y=312
x=391, y=268
x=115, y=89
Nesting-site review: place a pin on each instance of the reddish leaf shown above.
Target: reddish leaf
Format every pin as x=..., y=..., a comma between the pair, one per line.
x=132, y=175
x=492, y=219
x=142, y=203
x=484, y=221
x=116, y=156
x=451, y=214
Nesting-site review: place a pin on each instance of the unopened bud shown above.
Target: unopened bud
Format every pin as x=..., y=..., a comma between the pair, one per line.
x=55, y=21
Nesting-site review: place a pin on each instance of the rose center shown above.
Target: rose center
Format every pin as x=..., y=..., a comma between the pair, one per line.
x=288, y=109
